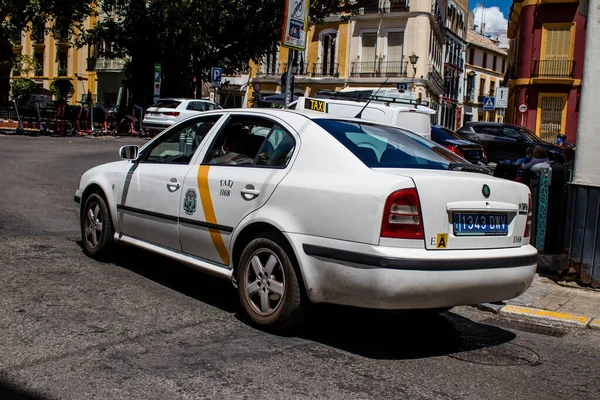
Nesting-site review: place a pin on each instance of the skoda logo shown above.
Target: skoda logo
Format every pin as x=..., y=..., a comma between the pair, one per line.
x=485, y=191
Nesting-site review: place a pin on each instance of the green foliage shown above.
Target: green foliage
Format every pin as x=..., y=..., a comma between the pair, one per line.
x=22, y=89
x=64, y=17
x=188, y=37
x=62, y=89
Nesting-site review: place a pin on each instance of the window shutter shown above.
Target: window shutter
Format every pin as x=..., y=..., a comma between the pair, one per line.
x=394, y=46
x=369, y=41
x=558, y=43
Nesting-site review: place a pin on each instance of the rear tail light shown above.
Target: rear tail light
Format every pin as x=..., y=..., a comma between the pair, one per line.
x=529, y=220
x=147, y=112
x=171, y=113
x=402, y=215
x=455, y=150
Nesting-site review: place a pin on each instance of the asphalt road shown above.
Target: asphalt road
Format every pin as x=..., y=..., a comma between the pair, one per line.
x=143, y=327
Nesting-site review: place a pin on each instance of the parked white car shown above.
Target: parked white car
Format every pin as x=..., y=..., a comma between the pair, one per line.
x=298, y=208
x=166, y=112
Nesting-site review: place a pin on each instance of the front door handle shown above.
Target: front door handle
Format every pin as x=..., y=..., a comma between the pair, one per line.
x=249, y=192
x=173, y=185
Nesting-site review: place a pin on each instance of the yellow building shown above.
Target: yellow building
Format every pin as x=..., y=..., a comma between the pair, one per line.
x=54, y=57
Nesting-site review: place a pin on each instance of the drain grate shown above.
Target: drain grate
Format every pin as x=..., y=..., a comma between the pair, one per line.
x=487, y=351
x=528, y=327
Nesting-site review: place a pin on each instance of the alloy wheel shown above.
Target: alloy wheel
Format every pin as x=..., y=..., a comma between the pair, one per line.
x=265, y=282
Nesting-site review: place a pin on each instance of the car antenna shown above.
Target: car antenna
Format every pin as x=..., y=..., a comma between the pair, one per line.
x=359, y=115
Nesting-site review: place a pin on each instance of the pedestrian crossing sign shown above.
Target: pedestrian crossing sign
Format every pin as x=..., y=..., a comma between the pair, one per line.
x=489, y=103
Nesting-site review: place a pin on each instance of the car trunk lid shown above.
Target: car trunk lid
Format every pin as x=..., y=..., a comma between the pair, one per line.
x=467, y=210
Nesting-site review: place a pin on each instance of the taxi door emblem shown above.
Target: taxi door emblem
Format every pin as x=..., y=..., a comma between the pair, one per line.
x=189, y=203
x=442, y=241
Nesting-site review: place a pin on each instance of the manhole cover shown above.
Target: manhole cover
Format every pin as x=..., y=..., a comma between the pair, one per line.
x=481, y=350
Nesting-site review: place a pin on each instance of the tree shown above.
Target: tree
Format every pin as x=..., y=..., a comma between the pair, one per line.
x=23, y=89
x=188, y=37
x=61, y=17
x=62, y=89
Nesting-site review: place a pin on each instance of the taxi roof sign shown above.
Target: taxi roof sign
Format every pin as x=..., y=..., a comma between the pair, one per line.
x=316, y=105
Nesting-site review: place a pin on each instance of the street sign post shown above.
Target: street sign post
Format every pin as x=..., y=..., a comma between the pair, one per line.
x=523, y=109
x=502, y=97
x=295, y=24
x=215, y=77
x=489, y=103
x=157, y=76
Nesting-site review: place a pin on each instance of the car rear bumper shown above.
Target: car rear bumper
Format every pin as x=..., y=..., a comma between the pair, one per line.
x=156, y=126
x=382, y=277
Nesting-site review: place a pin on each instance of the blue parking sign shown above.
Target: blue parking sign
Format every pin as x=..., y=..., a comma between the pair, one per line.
x=216, y=74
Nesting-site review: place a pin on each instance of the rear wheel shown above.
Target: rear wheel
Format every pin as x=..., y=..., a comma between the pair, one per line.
x=96, y=226
x=268, y=285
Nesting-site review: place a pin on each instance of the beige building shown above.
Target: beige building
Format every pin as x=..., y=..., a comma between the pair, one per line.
x=370, y=49
x=486, y=66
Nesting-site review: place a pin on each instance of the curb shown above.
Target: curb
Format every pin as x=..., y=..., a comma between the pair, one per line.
x=547, y=316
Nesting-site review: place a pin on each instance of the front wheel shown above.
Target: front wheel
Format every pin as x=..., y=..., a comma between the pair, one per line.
x=268, y=285
x=96, y=226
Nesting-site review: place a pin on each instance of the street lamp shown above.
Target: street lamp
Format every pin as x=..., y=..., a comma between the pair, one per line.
x=413, y=60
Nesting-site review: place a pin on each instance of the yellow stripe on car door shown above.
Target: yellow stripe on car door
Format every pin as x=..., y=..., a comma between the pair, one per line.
x=209, y=213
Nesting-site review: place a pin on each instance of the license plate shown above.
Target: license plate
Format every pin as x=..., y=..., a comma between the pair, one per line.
x=479, y=224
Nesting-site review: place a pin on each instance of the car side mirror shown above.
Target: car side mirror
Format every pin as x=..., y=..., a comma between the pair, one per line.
x=129, y=152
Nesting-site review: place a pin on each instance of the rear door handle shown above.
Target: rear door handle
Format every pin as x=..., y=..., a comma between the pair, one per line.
x=249, y=192
x=173, y=185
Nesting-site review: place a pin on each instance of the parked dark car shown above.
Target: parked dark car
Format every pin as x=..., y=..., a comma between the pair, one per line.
x=505, y=141
x=456, y=144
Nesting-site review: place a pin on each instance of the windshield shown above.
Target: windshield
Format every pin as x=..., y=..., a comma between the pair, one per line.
x=166, y=104
x=380, y=146
x=530, y=135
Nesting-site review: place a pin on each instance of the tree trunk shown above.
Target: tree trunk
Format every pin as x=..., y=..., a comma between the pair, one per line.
x=4, y=84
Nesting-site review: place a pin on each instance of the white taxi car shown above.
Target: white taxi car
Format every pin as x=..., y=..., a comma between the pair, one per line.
x=166, y=112
x=296, y=207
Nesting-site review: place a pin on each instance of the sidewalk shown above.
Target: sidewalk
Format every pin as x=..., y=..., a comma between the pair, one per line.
x=552, y=301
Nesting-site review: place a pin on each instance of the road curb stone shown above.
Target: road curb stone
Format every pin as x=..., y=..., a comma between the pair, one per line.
x=547, y=316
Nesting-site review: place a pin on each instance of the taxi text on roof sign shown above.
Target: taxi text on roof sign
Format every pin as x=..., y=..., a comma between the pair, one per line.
x=315, y=105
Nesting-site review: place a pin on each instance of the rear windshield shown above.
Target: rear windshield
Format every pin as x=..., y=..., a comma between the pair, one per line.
x=167, y=104
x=441, y=133
x=380, y=146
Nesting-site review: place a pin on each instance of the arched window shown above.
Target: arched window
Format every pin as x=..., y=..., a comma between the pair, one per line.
x=327, y=53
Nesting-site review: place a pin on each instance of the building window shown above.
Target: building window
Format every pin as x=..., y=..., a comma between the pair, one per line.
x=328, y=53
x=38, y=56
x=368, y=52
x=471, y=56
x=484, y=62
x=63, y=57
x=492, y=88
x=395, y=40
x=556, y=54
x=551, y=116
x=481, y=86
x=494, y=62
x=503, y=65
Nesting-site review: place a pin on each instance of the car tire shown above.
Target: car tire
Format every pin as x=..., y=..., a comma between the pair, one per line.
x=96, y=226
x=268, y=284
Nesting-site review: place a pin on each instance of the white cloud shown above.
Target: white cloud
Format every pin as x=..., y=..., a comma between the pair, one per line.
x=495, y=23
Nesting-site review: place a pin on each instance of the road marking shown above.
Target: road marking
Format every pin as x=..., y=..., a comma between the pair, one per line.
x=547, y=315
x=209, y=212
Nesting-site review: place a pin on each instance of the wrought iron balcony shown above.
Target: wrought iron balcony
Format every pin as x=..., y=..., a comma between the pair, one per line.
x=377, y=69
x=110, y=65
x=325, y=69
x=436, y=77
x=372, y=7
x=553, y=69
x=398, y=6
x=302, y=69
x=269, y=69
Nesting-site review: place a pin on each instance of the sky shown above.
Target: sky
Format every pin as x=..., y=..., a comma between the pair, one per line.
x=494, y=14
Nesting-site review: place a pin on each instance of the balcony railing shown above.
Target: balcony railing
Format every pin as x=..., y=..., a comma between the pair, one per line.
x=325, y=69
x=110, y=65
x=398, y=6
x=269, y=69
x=302, y=69
x=372, y=7
x=436, y=77
x=553, y=69
x=377, y=69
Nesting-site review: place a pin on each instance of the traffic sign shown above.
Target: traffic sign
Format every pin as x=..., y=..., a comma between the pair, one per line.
x=215, y=76
x=523, y=108
x=489, y=103
x=502, y=97
x=256, y=86
x=157, y=75
x=402, y=86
